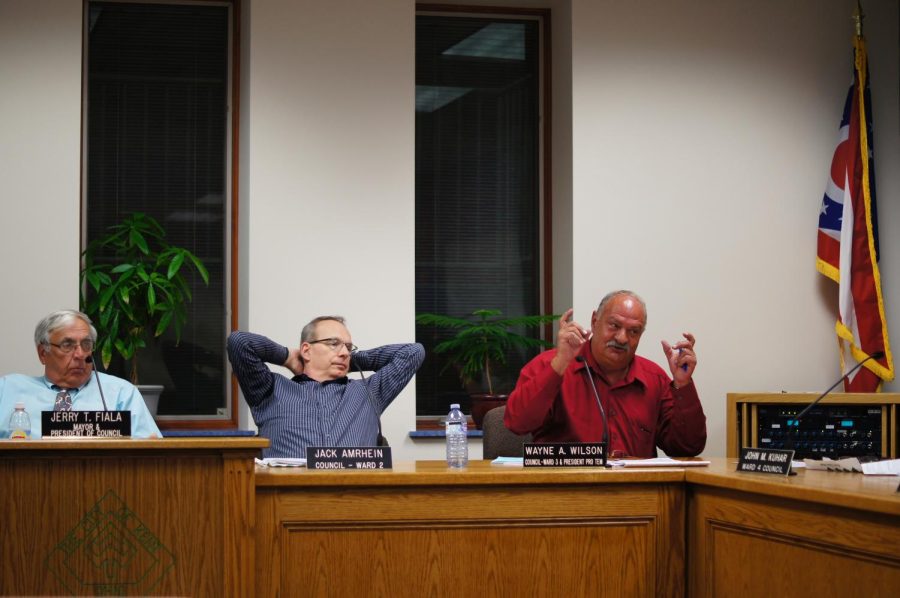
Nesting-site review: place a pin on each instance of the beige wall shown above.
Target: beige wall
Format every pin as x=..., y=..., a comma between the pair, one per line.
x=40, y=149
x=691, y=143
x=703, y=133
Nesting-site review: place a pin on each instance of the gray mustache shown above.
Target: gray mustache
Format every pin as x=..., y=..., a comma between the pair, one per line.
x=616, y=345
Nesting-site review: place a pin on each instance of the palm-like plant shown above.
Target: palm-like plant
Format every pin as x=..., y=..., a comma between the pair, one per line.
x=484, y=340
x=133, y=286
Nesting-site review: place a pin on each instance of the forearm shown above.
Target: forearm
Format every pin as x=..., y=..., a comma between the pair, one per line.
x=394, y=367
x=249, y=353
x=682, y=431
x=372, y=360
x=531, y=401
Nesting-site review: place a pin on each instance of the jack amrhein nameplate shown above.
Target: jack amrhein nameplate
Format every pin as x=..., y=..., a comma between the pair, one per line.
x=348, y=457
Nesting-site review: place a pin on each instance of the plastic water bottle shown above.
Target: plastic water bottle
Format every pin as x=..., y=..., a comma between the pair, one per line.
x=19, y=423
x=457, y=441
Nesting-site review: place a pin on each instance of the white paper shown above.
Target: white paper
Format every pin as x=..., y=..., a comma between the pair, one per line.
x=848, y=464
x=511, y=461
x=281, y=462
x=887, y=467
x=657, y=462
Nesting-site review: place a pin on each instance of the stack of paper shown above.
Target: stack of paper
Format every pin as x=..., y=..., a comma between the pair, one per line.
x=281, y=462
x=887, y=467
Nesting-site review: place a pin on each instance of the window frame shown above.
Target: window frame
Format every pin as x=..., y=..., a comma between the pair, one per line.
x=543, y=16
x=228, y=419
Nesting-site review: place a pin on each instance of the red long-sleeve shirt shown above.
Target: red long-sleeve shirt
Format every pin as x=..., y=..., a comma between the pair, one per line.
x=644, y=410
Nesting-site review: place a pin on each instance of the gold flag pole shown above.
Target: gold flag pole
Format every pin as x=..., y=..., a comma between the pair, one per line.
x=858, y=17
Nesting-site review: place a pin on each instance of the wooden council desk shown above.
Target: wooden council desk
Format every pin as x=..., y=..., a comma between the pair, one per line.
x=176, y=517
x=425, y=530
x=127, y=517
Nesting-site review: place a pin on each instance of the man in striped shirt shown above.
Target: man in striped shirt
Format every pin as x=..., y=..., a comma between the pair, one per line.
x=320, y=405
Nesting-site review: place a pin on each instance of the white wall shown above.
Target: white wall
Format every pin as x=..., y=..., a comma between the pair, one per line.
x=40, y=152
x=701, y=135
x=328, y=204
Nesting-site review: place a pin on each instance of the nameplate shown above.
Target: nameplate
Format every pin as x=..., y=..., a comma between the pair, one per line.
x=760, y=460
x=573, y=454
x=85, y=424
x=348, y=457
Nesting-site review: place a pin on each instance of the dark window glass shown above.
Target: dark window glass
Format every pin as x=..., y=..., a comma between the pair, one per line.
x=157, y=99
x=477, y=184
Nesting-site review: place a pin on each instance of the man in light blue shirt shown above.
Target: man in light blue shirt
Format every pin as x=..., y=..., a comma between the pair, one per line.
x=64, y=341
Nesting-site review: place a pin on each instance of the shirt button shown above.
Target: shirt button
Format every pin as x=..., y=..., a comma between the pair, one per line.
x=612, y=412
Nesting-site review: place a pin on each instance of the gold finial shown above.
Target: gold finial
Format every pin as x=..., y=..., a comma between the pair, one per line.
x=858, y=17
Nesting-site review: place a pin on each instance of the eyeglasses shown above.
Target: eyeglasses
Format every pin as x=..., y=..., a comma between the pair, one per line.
x=67, y=346
x=335, y=344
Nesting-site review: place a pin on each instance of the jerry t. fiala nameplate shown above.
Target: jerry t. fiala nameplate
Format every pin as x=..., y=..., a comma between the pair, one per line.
x=348, y=457
x=86, y=424
x=573, y=454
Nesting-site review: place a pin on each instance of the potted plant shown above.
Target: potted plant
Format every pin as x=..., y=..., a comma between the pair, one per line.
x=482, y=342
x=133, y=287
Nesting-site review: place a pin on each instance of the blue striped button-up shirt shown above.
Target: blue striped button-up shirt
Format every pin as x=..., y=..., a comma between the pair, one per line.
x=294, y=413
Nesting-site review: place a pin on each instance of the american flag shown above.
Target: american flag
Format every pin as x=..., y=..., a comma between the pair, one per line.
x=848, y=239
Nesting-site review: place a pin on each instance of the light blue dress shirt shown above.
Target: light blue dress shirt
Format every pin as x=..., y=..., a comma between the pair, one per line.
x=38, y=394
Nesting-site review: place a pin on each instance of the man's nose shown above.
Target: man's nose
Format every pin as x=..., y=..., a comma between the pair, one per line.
x=621, y=336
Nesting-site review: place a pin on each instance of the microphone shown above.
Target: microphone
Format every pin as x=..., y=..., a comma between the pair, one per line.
x=381, y=441
x=90, y=359
x=605, y=438
x=805, y=410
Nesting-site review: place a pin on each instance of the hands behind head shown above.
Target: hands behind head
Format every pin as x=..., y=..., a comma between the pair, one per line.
x=682, y=359
x=294, y=361
x=569, y=339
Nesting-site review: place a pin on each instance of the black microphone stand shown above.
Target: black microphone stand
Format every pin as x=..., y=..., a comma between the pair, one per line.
x=605, y=438
x=795, y=427
x=90, y=359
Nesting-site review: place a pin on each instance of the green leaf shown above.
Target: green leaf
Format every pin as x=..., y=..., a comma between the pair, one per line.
x=122, y=268
x=175, y=265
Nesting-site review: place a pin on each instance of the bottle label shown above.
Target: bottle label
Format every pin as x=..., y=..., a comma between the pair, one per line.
x=18, y=435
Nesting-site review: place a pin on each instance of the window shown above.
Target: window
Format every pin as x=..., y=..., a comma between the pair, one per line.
x=158, y=84
x=478, y=183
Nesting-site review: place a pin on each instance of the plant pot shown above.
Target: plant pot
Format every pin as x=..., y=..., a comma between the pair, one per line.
x=482, y=403
x=151, y=393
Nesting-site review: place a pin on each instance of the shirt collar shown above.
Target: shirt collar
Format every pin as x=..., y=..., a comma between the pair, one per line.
x=57, y=388
x=305, y=378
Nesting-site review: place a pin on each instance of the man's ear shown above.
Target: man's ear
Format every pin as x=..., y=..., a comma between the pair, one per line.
x=594, y=316
x=305, y=351
x=42, y=352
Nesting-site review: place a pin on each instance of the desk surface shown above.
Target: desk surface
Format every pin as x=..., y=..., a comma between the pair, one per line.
x=122, y=444
x=850, y=490
x=839, y=489
x=437, y=473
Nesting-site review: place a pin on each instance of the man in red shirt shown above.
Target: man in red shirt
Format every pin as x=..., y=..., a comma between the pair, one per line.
x=646, y=408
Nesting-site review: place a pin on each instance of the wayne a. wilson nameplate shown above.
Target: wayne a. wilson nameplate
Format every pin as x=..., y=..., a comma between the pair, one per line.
x=86, y=424
x=759, y=460
x=572, y=454
x=348, y=457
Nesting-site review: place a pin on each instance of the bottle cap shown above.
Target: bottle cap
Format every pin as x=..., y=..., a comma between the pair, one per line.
x=20, y=406
x=454, y=406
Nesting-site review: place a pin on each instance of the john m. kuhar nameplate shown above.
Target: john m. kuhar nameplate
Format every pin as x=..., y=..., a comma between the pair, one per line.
x=574, y=454
x=86, y=424
x=758, y=460
x=348, y=457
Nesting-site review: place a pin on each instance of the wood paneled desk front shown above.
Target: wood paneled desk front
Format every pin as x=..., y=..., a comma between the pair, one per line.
x=195, y=517
x=165, y=517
